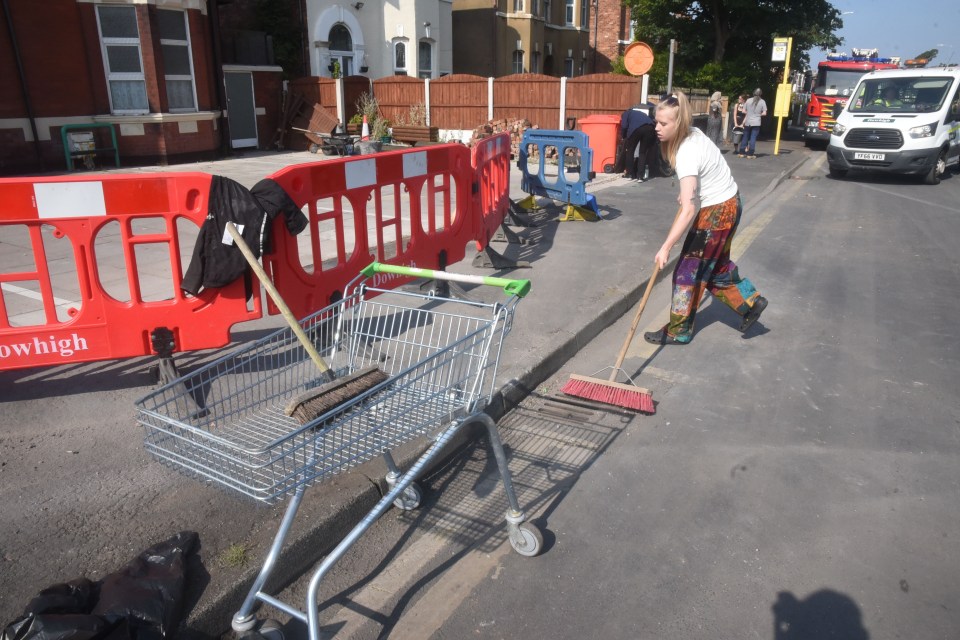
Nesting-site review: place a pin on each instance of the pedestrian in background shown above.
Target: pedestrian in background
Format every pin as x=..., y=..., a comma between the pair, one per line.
x=638, y=143
x=710, y=209
x=739, y=115
x=715, y=119
x=754, y=108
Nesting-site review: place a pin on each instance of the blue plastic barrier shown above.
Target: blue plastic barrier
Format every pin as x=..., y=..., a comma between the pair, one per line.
x=559, y=187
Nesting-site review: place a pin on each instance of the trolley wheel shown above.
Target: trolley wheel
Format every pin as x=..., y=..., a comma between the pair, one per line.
x=409, y=499
x=530, y=541
x=313, y=147
x=327, y=150
x=268, y=630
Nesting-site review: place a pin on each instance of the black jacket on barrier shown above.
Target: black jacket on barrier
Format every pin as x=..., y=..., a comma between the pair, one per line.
x=216, y=260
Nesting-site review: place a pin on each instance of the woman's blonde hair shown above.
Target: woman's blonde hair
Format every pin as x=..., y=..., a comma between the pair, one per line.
x=678, y=103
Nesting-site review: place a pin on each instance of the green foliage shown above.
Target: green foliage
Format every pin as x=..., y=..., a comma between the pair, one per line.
x=618, y=67
x=929, y=55
x=726, y=44
x=234, y=556
x=336, y=69
x=279, y=20
x=368, y=106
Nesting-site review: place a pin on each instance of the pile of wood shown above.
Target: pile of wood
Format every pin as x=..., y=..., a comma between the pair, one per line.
x=515, y=127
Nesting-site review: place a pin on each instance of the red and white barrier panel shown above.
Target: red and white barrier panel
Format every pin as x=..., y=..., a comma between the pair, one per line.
x=410, y=207
x=491, y=165
x=93, y=265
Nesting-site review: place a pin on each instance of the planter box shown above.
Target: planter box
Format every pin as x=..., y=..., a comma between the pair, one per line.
x=413, y=135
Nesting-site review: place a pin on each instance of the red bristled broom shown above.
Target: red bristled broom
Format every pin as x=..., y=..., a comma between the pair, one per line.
x=608, y=391
x=616, y=393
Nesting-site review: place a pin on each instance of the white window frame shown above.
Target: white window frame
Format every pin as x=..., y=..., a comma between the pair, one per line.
x=584, y=14
x=516, y=62
x=546, y=11
x=179, y=77
x=569, y=14
x=126, y=76
x=518, y=6
x=400, y=71
x=535, y=62
x=568, y=68
x=420, y=45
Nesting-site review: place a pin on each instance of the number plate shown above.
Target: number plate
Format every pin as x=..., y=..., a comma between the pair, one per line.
x=868, y=156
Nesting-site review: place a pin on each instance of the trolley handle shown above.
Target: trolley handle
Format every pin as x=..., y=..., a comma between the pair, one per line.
x=518, y=288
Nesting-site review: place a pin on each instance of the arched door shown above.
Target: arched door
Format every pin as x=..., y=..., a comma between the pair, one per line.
x=341, y=48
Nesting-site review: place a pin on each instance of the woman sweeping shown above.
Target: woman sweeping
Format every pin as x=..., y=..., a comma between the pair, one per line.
x=710, y=208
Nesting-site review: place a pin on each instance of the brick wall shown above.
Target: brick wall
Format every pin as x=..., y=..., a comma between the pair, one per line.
x=613, y=24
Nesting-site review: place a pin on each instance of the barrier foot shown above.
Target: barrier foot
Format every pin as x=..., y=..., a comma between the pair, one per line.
x=580, y=214
x=506, y=234
x=490, y=259
x=165, y=372
x=529, y=203
x=518, y=217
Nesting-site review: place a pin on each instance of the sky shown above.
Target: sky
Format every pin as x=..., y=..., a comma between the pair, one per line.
x=902, y=28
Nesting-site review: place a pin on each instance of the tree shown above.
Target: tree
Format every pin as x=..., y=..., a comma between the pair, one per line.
x=727, y=43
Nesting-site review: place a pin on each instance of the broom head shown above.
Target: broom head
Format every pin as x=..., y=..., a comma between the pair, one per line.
x=608, y=392
x=316, y=402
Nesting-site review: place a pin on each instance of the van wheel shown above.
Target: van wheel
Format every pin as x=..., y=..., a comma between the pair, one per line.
x=938, y=169
x=836, y=172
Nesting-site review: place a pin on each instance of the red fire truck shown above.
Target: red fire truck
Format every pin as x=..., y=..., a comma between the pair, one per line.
x=836, y=78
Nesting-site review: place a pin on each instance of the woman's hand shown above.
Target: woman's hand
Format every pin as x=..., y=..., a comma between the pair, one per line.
x=662, y=256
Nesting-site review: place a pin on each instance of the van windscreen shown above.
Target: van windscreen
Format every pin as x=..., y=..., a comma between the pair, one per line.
x=900, y=95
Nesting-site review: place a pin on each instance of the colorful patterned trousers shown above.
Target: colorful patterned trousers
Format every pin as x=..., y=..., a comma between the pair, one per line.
x=705, y=264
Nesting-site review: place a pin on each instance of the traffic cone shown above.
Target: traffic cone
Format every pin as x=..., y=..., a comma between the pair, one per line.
x=365, y=130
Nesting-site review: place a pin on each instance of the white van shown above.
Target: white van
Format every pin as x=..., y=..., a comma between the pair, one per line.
x=904, y=121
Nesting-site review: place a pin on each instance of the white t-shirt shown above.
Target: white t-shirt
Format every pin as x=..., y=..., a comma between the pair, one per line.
x=698, y=156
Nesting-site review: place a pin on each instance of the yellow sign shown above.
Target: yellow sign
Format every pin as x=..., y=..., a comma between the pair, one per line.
x=781, y=46
x=781, y=107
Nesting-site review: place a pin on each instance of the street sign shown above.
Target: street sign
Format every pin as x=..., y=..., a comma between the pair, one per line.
x=781, y=108
x=780, y=48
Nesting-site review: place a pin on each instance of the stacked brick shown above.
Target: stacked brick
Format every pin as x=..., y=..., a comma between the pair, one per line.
x=515, y=127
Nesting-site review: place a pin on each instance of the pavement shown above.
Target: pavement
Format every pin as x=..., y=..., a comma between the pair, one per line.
x=585, y=275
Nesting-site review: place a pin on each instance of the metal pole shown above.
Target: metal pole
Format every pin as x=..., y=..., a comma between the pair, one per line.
x=673, y=46
x=786, y=76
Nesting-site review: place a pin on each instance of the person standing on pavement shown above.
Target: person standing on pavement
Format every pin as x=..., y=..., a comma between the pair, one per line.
x=755, y=108
x=739, y=115
x=638, y=143
x=710, y=209
x=715, y=119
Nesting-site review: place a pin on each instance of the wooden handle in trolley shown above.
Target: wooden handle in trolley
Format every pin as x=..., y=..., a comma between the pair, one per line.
x=277, y=300
x=636, y=318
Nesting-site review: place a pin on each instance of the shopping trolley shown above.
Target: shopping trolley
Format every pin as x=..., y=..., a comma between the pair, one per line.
x=226, y=422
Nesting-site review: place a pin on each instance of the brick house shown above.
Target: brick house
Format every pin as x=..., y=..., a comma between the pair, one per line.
x=151, y=70
x=552, y=37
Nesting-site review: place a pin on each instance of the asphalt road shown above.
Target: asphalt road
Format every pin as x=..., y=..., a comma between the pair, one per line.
x=799, y=482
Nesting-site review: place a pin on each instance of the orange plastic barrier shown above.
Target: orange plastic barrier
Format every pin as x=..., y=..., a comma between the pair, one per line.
x=80, y=255
x=490, y=161
x=355, y=209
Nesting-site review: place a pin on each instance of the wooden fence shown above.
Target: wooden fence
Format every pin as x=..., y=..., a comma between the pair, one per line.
x=462, y=101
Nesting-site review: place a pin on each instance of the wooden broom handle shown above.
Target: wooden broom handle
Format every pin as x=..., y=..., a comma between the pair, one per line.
x=277, y=300
x=636, y=318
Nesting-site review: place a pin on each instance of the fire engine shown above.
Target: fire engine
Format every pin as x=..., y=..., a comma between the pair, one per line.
x=836, y=78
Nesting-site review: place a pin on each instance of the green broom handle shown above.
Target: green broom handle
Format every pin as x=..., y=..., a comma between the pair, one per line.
x=518, y=288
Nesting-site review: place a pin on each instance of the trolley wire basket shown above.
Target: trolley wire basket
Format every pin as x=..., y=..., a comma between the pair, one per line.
x=225, y=422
